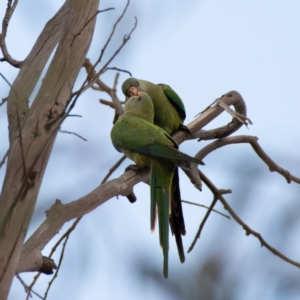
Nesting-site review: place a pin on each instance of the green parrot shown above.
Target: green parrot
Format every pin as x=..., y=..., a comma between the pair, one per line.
x=169, y=111
x=146, y=144
x=169, y=114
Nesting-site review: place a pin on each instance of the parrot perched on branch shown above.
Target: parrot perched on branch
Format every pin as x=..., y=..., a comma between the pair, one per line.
x=169, y=114
x=146, y=144
x=169, y=111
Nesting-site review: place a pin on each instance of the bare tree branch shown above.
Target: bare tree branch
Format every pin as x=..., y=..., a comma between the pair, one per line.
x=201, y=205
x=58, y=214
x=252, y=140
x=113, y=168
x=60, y=258
x=120, y=70
x=76, y=134
x=27, y=288
x=210, y=113
x=259, y=151
x=248, y=230
x=112, y=33
x=4, y=158
x=88, y=83
x=3, y=101
x=8, y=14
x=88, y=21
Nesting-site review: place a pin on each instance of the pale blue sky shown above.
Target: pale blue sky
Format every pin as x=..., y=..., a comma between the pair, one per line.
x=203, y=49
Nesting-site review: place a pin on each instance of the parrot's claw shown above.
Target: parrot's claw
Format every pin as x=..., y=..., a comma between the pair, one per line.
x=135, y=168
x=182, y=127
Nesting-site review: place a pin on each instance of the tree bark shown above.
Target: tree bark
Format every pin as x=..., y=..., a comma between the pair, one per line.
x=32, y=131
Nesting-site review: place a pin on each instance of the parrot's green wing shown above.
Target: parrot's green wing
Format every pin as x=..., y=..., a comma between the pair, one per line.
x=175, y=100
x=154, y=141
x=168, y=153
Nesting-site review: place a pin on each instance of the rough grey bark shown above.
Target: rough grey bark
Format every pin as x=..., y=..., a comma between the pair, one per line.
x=32, y=131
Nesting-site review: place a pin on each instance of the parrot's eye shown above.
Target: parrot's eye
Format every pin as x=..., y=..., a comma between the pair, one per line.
x=139, y=98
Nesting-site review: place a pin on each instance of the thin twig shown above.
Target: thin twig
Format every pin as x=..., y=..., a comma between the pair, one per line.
x=111, y=34
x=60, y=261
x=88, y=82
x=253, y=141
x=125, y=40
x=88, y=21
x=4, y=158
x=3, y=101
x=19, y=125
x=113, y=168
x=73, y=226
x=64, y=236
x=210, y=209
x=116, y=104
x=242, y=118
x=248, y=230
x=108, y=103
x=27, y=288
x=226, y=100
x=259, y=151
x=201, y=205
x=118, y=69
x=70, y=132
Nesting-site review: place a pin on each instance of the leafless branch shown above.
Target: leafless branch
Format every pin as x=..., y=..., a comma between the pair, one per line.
x=88, y=21
x=231, y=98
x=116, y=104
x=125, y=40
x=3, y=101
x=61, y=256
x=259, y=151
x=66, y=235
x=4, y=158
x=112, y=33
x=248, y=230
x=252, y=140
x=91, y=80
x=201, y=205
x=113, y=168
x=76, y=134
x=108, y=103
x=8, y=14
x=195, y=127
x=27, y=288
x=118, y=69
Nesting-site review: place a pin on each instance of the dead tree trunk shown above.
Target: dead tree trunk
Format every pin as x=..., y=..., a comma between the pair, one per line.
x=32, y=130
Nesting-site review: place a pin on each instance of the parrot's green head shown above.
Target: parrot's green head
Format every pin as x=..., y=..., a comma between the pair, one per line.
x=130, y=87
x=141, y=106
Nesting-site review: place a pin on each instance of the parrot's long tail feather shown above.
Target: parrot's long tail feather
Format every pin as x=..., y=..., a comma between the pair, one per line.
x=176, y=218
x=161, y=179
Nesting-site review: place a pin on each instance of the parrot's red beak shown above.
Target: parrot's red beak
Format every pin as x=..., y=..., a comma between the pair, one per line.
x=133, y=91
